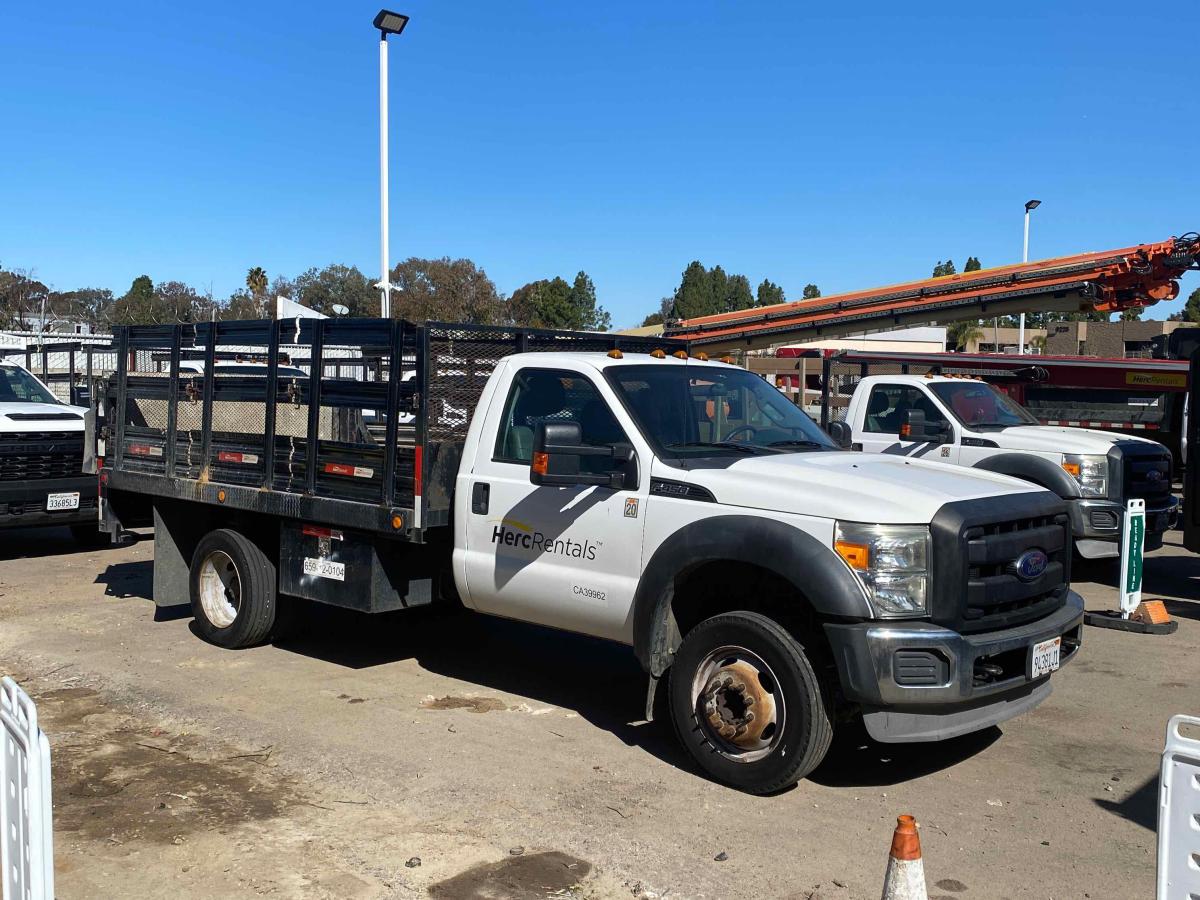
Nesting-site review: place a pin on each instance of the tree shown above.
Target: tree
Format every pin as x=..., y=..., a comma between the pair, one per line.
x=944, y=268
x=448, y=290
x=552, y=303
x=90, y=305
x=136, y=306
x=545, y=303
x=706, y=292
x=738, y=295
x=810, y=292
x=768, y=294
x=1133, y=314
x=589, y=314
x=22, y=298
x=1191, y=309
x=652, y=319
x=960, y=334
x=256, y=282
x=334, y=285
x=973, y=265
x=240, y=305
x=694, y=296
x=174, y=302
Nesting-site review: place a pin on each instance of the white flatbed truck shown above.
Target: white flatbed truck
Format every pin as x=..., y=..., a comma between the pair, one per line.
x=605, y=485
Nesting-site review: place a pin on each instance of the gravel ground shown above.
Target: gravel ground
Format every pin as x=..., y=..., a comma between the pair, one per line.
x=463, y=757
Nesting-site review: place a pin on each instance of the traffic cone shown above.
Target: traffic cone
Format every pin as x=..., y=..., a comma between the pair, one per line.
x=905, y=876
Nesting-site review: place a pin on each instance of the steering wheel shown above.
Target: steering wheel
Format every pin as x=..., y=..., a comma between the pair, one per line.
x=750, y=429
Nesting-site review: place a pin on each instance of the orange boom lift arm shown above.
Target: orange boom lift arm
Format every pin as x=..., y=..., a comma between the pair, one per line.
x=1109, y=281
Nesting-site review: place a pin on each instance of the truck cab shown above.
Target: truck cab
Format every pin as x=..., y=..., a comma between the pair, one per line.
x=968, y=422
x=41, y=458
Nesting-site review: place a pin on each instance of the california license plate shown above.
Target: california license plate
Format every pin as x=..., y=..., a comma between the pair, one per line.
x=1044, y=657
x=324, y=568
x=62, y=501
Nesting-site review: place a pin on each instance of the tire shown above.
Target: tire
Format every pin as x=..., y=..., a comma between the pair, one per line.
x=751, y=755
x=233, y=590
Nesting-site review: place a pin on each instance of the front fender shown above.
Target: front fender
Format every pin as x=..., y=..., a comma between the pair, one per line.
x=797, y=557
x=1037, y=469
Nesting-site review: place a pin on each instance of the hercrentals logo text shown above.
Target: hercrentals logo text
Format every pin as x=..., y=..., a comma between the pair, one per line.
x=540, y=543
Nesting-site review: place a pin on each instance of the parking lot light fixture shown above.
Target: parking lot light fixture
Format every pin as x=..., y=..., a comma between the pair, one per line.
x=387, y=22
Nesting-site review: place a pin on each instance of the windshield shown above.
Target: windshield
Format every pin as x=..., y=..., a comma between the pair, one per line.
x=979, y=405
x=18, y=386
x=693, y=411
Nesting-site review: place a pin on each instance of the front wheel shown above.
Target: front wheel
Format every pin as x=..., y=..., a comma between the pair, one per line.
x=233, y=590
x=747, y=703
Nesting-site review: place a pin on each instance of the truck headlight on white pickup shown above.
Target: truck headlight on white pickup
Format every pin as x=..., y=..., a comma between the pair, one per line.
x=891, y=561
x=1090, y=470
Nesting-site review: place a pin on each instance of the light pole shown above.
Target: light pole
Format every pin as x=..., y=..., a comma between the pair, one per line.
x=388, y=23
x=1030, y=206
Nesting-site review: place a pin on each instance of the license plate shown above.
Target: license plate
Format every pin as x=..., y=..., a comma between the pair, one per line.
x=62, y=501
x=1044, y=657
x=324, y=568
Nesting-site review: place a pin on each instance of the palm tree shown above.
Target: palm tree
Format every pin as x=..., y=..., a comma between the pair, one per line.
x=256, y=280
x=960, y=334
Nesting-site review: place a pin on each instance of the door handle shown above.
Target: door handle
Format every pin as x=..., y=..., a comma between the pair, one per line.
x=480, y=494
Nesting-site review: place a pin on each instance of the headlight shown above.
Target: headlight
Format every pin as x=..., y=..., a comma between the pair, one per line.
x=1090, y=470
x=891, y=561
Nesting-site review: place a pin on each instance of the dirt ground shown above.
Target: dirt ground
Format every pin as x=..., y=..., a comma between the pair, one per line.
x=465, y=758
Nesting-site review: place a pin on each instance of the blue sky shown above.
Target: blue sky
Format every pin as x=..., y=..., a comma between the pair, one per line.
x=849, y=145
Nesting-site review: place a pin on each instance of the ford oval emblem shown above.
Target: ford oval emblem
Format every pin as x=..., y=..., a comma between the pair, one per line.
x=1031, y=564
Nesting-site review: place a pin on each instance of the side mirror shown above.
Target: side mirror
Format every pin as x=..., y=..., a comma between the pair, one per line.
x=841, y=433
x=915, y=428
x=557, y=450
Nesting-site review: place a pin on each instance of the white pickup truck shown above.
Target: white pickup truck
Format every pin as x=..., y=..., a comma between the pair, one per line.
x=968, y=422
x=676, y=505
x=41, y=458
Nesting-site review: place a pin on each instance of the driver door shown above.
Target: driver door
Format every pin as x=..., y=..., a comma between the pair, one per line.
x=567, y=557
x=885, y=413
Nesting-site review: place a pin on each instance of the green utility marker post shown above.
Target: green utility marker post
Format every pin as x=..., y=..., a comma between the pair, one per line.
x=1132, y=614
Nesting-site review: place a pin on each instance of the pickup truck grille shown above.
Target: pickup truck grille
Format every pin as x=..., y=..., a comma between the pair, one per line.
x=1146, y=474
x=977, y=544
x=39, y=455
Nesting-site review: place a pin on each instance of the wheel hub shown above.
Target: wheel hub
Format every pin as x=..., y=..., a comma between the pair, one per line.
x=737, y=706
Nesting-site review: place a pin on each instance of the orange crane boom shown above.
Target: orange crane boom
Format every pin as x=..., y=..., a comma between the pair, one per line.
x=1109, y=281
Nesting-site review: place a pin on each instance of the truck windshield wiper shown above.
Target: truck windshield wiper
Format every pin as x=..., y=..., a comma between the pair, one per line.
x=724, y=445
x=797, y=442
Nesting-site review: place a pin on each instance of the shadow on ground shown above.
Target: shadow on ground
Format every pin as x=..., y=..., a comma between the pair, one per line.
x=34, y=543
x=599, y=680
x=855, y=760
x=128, y=579
x=1140, y=807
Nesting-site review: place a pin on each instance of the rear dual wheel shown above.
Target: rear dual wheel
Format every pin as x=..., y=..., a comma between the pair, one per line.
x=747, y=703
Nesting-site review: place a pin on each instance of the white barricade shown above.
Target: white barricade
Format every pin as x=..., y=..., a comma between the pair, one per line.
x=26, y=836
x=1179, y=813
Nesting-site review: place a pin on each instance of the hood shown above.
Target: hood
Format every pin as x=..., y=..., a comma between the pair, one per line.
x=1056, y=439
x=859, y=487
x=40, y=417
